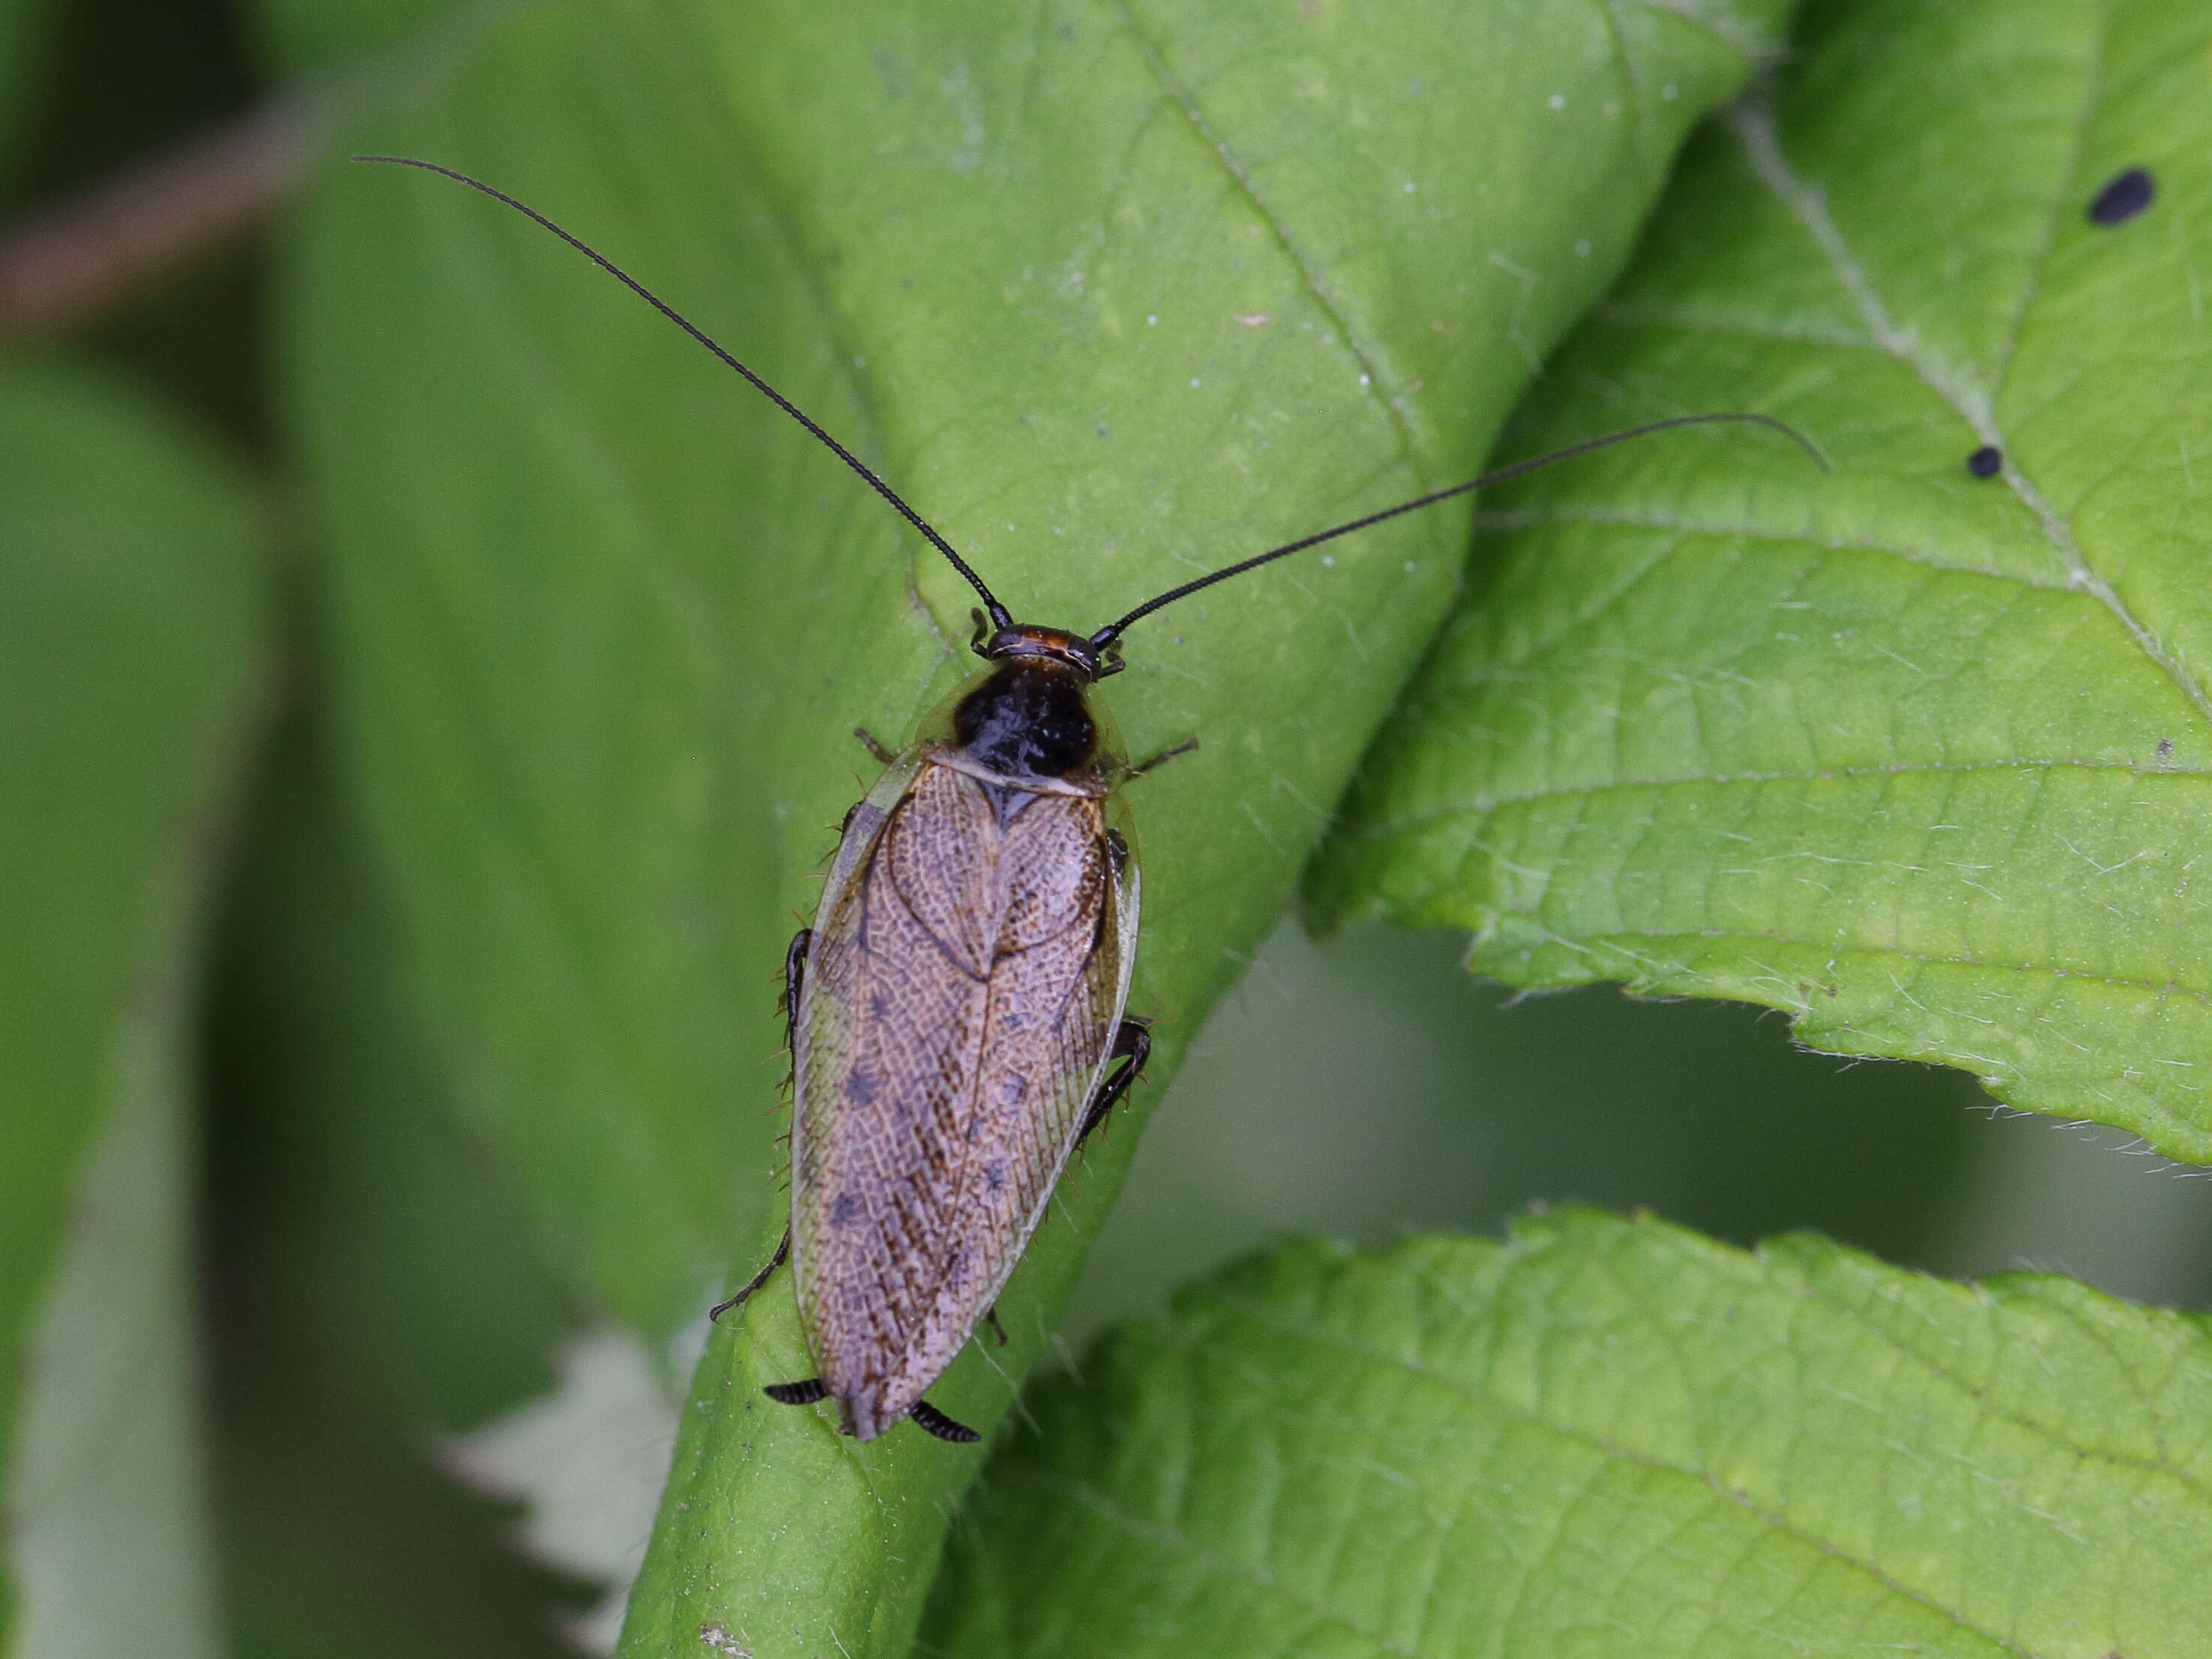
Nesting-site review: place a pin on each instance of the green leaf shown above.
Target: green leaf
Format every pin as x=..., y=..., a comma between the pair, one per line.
x=1919, y=757
x=1604, y=1437
x=1114, y=294
x=130, y=660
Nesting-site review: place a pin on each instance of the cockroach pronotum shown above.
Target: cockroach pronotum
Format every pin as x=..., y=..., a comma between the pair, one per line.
x=957, y=1012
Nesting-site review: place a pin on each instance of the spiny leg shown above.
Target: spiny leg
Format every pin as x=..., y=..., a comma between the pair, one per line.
x=884, y=756
x=798, y=1393
x=782, y=1253
x=991, y=1318
x=1182, y=748
x=1132, y=1047
x=794, y=976
x=927, y=1417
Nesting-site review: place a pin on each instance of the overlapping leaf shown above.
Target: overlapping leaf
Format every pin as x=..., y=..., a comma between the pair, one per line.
x=1917, y=755
x=1605, y=1436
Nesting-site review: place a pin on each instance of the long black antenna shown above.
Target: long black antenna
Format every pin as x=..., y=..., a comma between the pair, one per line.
x=1000, y=614
x=1106, y=636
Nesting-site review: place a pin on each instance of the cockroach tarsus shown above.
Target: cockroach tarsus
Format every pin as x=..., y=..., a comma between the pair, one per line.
x=957, y=1012
x=782, y=1253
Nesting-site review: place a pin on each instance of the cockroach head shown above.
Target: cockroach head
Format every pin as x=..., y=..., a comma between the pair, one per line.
x=1091, y=660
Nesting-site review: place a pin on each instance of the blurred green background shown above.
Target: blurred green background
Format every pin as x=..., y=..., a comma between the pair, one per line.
x=1360, y=1086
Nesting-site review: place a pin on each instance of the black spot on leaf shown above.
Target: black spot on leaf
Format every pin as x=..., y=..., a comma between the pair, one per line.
x=1985, y=462
x=2127, y=194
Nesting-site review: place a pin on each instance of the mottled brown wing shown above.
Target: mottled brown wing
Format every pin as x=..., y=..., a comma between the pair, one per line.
x=969, y=965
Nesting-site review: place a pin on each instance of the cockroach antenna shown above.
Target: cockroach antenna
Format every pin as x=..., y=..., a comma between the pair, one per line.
x=1113, y=630
x=999, y=615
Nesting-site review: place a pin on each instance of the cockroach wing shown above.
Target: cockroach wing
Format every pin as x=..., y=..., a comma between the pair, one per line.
x=969, y=967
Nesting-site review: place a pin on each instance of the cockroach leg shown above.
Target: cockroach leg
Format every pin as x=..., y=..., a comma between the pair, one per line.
x=798, y=1393
x=782, y=1254
x=794, y=975
x=1132, y=1047
x=926, y=1416
x=1182, y=748
x=884, y=756
x=991, y=1318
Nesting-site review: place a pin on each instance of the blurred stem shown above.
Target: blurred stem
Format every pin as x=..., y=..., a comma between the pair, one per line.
x=70, y=265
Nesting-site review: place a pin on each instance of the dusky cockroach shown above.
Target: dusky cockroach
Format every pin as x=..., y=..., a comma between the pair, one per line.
x=957, y=1010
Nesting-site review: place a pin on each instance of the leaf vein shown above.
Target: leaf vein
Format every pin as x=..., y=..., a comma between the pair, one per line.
x=1755, y=128
x=1260, y=1313
x=1377, y=379
x=2031, y=286
x=1927, y=958
x=1181, y=1544
x=1979, y=1393
x=1482, y=805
